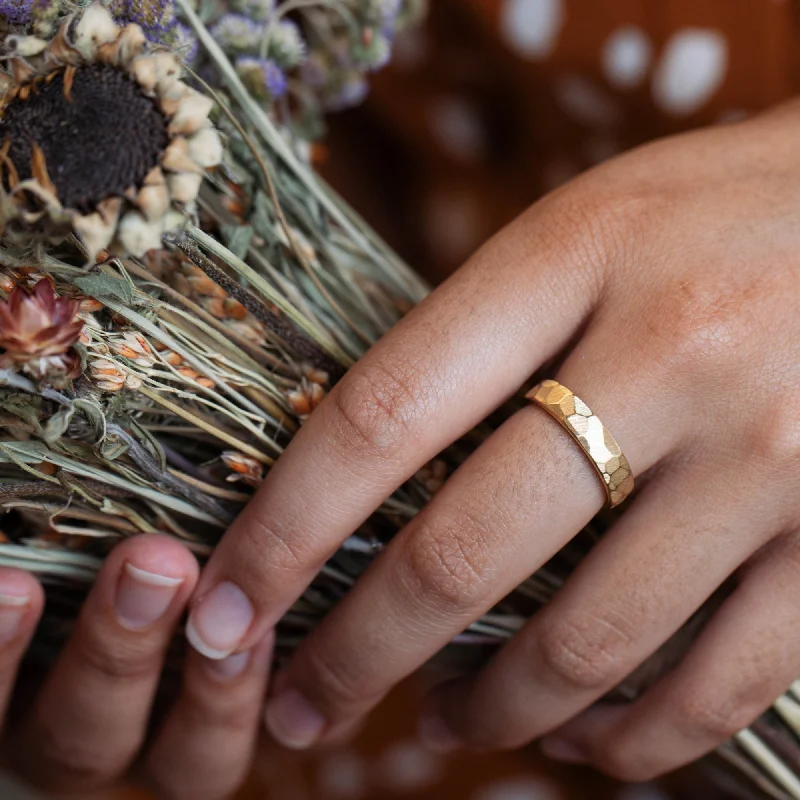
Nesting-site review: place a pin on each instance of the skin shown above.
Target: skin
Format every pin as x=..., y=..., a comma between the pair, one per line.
x=87, y=723
x=665, y=287
x=665, y=284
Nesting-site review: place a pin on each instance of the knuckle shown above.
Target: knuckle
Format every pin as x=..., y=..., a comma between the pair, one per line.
x=67, y=761
x=775, y=439
x=715, y=720
x=378, y=405
x=335, y=680
x=234, y=719
x=119, y=661
x=695, y=320
x=583, y=653
x=274, y=547
x=624, y=763
x=598, y=226
x=451, y=564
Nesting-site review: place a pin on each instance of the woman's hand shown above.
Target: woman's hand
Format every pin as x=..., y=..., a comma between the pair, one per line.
x=89, y=720
x=667, y=286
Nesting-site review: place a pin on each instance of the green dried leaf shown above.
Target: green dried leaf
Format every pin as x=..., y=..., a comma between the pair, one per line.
x=237, y=238
x=111, y=451
x=102, y=286
x=23, y=406
x=262, y=217
x=25, y=452
x=150, y=443
x=120, y=510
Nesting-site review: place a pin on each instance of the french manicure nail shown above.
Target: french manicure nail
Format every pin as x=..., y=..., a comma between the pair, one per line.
x=12, y=607
x=220, y=621
x=143, y=597
x=293, y=721
x=228, y=668
x=562, y=750
x=436, y=735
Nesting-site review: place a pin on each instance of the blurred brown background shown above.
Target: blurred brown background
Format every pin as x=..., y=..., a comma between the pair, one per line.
x=495, y=102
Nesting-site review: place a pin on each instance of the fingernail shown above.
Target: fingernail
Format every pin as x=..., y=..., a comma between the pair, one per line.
x=563, y=751
x=220, y=621
x=12, y=608
x=226, y=669
x=293, y=721
x=143, y=597
x=436, y=735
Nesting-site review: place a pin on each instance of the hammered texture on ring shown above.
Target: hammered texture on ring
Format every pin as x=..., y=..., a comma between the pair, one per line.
x=594, y=438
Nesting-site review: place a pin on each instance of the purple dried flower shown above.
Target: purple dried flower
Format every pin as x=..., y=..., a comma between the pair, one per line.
x=16, y=12
x=45, y=13
x=315, y=71
x=185, y=43
x=259, y=10
x=262, y=76
x=238, y=34
x=286, y=45
x=156, y=17
x=380, y=12
x=349, y=91
x=274, y=78
x=373, y=51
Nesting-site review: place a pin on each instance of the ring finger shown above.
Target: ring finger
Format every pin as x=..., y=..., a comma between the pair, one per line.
x=646, y=577
x=501, y=516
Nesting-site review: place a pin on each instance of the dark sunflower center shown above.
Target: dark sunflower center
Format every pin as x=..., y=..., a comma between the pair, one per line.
x=100, y=136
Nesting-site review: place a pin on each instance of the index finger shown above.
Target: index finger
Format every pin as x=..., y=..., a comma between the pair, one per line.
x=439, y=372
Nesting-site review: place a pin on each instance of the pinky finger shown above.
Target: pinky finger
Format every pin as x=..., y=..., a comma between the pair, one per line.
x=747, y=656
x=207, y=742
x=21, y=604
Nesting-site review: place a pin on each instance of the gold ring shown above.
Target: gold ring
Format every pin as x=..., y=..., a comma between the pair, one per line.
x=593, y=437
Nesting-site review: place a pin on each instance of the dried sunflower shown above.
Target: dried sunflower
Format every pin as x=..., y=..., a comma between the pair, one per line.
x=100, y=137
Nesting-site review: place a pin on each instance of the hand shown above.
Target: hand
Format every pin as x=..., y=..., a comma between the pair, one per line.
x=89, y=719
x=666, y=284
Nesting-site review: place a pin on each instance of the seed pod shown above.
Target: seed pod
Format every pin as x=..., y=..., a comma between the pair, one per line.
x=137, y=235
x=205, y=147
x=95, y=27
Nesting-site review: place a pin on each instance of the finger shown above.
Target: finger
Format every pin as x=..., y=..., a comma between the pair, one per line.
x=90, y=716
x=207, y=743
x=513, y=505
x=442, y=370
x=679, y=541
x=21, y=604
x=746, y=657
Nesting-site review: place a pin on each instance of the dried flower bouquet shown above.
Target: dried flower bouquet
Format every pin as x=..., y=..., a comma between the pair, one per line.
x=180, y=290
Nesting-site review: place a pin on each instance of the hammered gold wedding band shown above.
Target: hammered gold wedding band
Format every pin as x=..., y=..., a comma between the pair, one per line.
x=593, y=437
